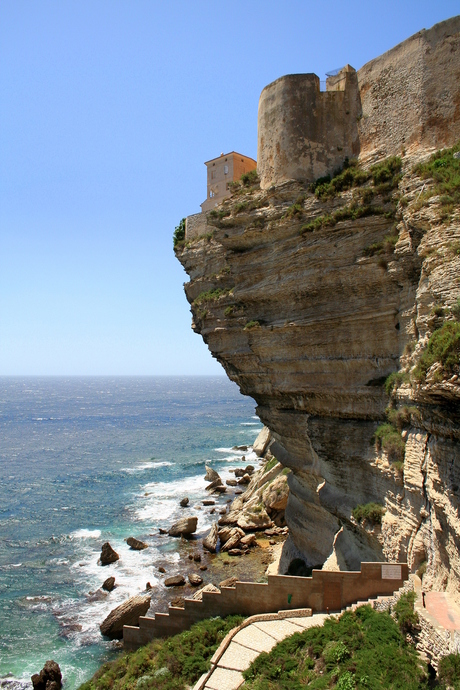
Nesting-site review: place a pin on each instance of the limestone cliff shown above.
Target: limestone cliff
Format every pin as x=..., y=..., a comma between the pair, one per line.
x=311, y=295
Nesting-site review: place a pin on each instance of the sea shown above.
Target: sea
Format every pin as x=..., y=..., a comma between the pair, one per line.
x=85, y=460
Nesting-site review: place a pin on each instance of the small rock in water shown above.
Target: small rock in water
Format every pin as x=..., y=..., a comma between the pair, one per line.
x=136, y=544
x=212, y=511
x=148, y=586
x=108, y=555
x=203, y=567
x=195, y=579
x=231, y=482
x=249, y=469
x=190, y=556
x=49, y=678
x=108, y=584
x=161, y=569
x=163, y=531
x=245, y=479
x=239, y=472
x=243, y=448
x=175, y=581
x=239, y=491
x=209, y=503
x=197, y=557
x=184, y=502
x=235, y=552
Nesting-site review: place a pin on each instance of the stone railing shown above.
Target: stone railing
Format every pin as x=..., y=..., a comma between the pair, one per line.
x=326, y=591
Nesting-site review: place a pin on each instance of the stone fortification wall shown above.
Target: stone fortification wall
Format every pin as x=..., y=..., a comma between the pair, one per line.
x=195, y=226
x=325, y=590
x=406, y=99
x=304, y=133
x=410, y=95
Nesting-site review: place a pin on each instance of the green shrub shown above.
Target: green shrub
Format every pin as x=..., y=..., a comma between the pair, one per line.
x=443, y=347
x=171, y=664
x=405, y=615
x=395, y=379
x=449, y=670
x=210, y=296
x=249, y=179
x=179, y=233
x=455, y=310
x=389, y=438
x=422, y=569
x=387, y=173
x=372, y=654
x=372, y=512
x=251, y=324
x=270, y=465
x=350, y=175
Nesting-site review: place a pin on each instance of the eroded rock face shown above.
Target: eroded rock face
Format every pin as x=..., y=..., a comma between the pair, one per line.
x=309, y=320
x=184, y=526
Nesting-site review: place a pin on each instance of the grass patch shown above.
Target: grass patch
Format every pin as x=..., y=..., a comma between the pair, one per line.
x=171, y=664
x=449, y=671
x=361, y=649
x=385, y=177
x=444, y=347
x=210, y=296
x=179, y=233
x=444, y=170
x=405, y=615
x=388, y=438
x=270, y=465
x=251, y=324
x=386, y=246
x=350, y=212
x=218, y=214
x=373, y=512
x=395, y=379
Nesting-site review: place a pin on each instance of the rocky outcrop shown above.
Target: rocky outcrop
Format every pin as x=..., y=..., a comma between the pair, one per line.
x=109, y=584
x=127, y=613
x=210, y=541
x=108, y=555
x=183, y=527
x=310, y=302
x=49, y=678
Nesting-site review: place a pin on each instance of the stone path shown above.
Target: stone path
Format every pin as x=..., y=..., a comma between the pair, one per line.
x=443, y=609
x=244, y=644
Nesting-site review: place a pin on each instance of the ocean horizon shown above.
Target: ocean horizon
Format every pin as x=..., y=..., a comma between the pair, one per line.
x=89, y=459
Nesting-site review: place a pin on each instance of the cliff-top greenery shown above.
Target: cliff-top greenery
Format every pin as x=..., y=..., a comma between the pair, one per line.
x=444, y=170
x=171, y=664
x=179, y=233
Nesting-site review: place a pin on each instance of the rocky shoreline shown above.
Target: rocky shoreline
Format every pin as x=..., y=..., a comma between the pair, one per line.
x=244, y=541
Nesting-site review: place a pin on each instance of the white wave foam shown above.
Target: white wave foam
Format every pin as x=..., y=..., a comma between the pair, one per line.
x=86, y=534
x=147, y=466
x=250, y=423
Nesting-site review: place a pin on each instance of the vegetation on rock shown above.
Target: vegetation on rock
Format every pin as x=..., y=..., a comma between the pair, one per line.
x=405, y=615
x=373, y=512
x=179, y=233
x=443, y=347
x=361, y=649
x=171, y=664
x=385, y=177
x=210, y=295
x=444, y=169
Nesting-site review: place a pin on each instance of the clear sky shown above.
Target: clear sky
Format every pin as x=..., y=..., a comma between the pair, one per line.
x=108, y=109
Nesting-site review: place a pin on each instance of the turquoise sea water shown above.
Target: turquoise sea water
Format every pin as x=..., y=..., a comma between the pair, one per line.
x=89, y=460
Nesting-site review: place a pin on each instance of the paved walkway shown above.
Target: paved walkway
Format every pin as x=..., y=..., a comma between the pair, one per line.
x=243, y=644
x=443, y=609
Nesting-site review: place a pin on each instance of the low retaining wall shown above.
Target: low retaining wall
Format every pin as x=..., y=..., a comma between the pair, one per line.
x=195, y=226
x=325, y=591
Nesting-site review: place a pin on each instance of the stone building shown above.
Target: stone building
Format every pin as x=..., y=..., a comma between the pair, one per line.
x=221, y=171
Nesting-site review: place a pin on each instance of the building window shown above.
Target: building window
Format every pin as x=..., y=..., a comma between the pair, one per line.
x=225, y=169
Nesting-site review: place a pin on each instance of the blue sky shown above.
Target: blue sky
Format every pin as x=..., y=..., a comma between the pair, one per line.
x=108, y=110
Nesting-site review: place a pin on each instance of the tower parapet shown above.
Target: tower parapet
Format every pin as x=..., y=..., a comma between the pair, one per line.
x=305, y=133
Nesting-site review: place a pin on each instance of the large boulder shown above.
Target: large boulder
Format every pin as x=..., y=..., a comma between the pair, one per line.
x=211, y=475
x=275, y=496
x=233, y=538
x=261, y=442
x=210, y=541
x=184, y=526
x=128, y=613
x=136, y=544
x=254, y=519
x=195, y=579
x=108, y=555
x=198, y=596
x=49, y=678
